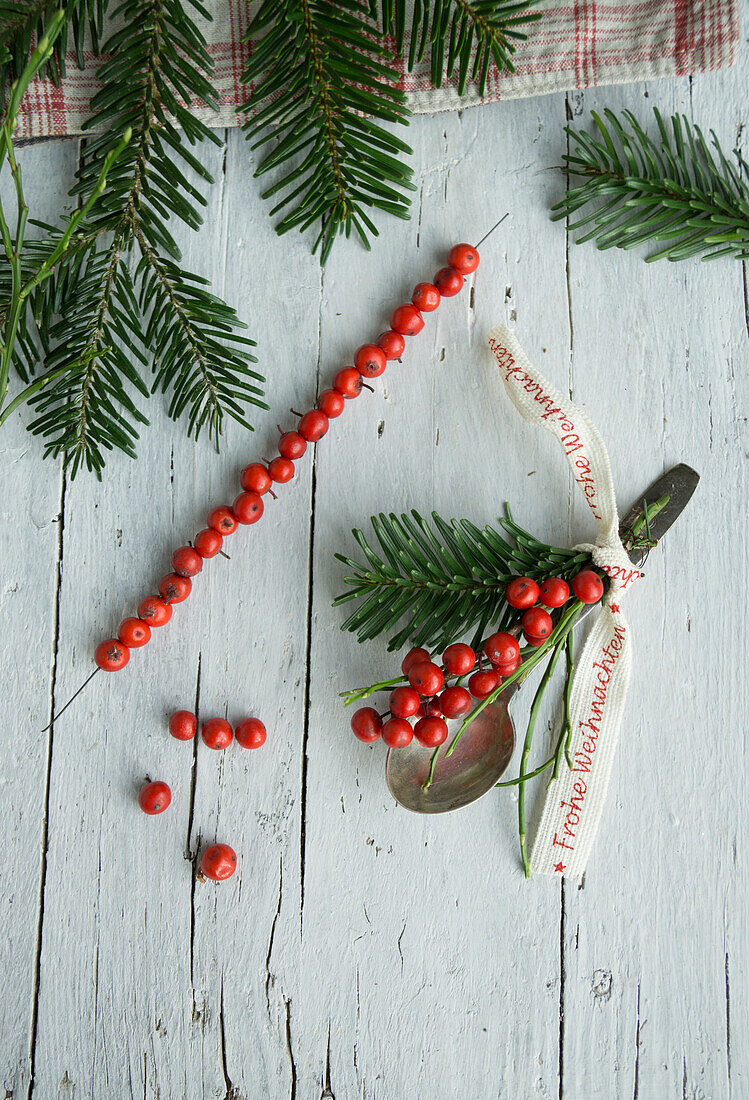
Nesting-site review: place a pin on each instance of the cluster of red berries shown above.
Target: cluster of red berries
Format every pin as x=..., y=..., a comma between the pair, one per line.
x=257, y=479
x=533, y=599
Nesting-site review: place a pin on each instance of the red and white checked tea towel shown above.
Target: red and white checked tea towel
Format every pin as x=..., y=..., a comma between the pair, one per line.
x=576, y=45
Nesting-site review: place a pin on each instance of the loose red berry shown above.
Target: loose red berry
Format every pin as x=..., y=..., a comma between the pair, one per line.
x=426, y=677
x=464, y=258
x=404, y=702
x=406, y=320
x=313, y=425
x=174, y=589
x=281, y=470
x=186, y=561
x=484, y=683
x=218, y=862
x=183, y=725
x=250, y=733
x=292, y=445
x=111, y=655
x=348, y=382
x=370, y=360
x=255, y=478
x=412, y=657
x=448, y=281
x=455, y=702
x=392, y=343
x=521, y=592
x=154, y=797
x=554, y=592
x=426, y=297
x=397, y=733
x=248, y=507
x=587, y=586
x=221, y=518
x=208, y=542
x=431, y=732
x=502, y=648
x=458, y=659
x=216, y=733
x=155, y=611
x=134, y=633
x=331, y=402
x=537, y=624
x=366, y=724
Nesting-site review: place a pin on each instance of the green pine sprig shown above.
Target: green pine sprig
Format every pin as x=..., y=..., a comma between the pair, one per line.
x=24, y=22
x=677, y=190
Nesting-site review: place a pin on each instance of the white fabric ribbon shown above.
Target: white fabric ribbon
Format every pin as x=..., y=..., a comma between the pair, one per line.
x=574, y=801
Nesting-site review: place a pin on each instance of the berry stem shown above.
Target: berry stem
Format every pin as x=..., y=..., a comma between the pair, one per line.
x=356, y=694
x=432, y=765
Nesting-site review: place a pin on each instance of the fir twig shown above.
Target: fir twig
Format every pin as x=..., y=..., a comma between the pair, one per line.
x=24, y=21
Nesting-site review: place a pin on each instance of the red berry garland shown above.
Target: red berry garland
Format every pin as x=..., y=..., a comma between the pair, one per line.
x=392, y=343
x=426, y=297
x=370, y=360
x=208, y=542
x=154, y=611
x=250, y=733
x=448, y=281
x=221, y=518
x=186, y=562
x=253, y=479
x=217, y=733
x=464, y=258
x=174, y=588
x=406, y=320
x=134, y=633
x=111, y=655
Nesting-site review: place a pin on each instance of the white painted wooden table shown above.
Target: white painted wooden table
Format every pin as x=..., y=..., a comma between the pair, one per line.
x=361, y=951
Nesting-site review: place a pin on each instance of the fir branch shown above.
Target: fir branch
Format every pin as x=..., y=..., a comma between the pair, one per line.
x=24, y=21
x=679, y=189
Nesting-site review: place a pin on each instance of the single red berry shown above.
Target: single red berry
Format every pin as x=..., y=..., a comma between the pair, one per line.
x=221, y=518
x=155, y=611
x=464, y=258
x=426, y=677
x=392, y=343
x=208, y=542
x=455, y=702
x=587, y=586
x=111, y=655
x=255, y=478
x=426, y=297
x=186, y=561
x=331, y=402
x=412, y=657
x=404, y=702
x=248, y=507
x=216, y=733
x=366, y=724
x=554, y=592
x=370, y=360
x=250, y=733
x=281, y=470
x=183, y=725
x=448, y=281
x=174, y=589
x=292, y=445
x=406, y=320
x=508, y=669
x=348, y=382
x=431, y=732
x=313, y=425
x=397, y=733
x=501, y=648
x=154, y=797
x=484, y=683
x=218, y=862
x=134, y=633
x=537, y=624
x=458, y=659
x=521, y=592
x=429, y=708
x=534, y=640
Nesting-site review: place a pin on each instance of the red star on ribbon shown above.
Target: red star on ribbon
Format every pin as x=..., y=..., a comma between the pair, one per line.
x=614, y=607
x=559, y=867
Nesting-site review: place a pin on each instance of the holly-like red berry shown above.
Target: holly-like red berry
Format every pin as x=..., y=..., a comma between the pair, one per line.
x=208, y=542
x=216, y=733
x=250, y=733
x=406, y=320
x=397, y=733
x=431, y=732
x=111, y=655
x=292, y=445
x=248, y=507
x=404, y=702
x=348, y=382
x=508, y=669
x=426, y=297
x=313, y=425
x=501, y=648
x=186, y=561
x=484, y=683
x=426, y=677
x=537, y=624
x=155, y=611
x=392, y=343
x=221, y=518
x=412, y=657
x=587, y=586
x=554, y=592
x=521, y=592
x=255, y=478
x=183, y=725
x=429, y=708
x=218, y=862
x=455, y=702
x=458, y=659
x=448, y=281
x=370, y=360
x=134, y=633
x=281, y=470
x=174, y=589
x=366, y=724
x=154, y=797
x=331, y=402
x=464, y=258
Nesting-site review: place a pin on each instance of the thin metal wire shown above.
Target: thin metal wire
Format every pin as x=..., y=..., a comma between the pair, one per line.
x=492, y=229
x=70, y=700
